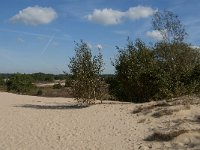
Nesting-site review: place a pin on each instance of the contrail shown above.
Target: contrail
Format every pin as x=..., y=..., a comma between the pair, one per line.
x=22, y=32
x=35, y=34
x=48, y=43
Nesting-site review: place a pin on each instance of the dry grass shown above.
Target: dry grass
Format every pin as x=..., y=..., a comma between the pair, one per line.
x=197, y=118
x=185, y=100
x=168, y=111
x=162, y=108
x=162, y=113
x=148, y=108
x=159, y=136
x=142, y=120
x=50, y=92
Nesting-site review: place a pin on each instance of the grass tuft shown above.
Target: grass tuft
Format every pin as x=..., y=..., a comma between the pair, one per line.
x=159, y=136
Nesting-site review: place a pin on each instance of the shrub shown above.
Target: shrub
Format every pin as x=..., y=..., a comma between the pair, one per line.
x=152, y=73
x=192, y=80
x=39, y=92
x=2, y=82
x=41, y=77
x=170, y=68
x=68, y=81
x=86, y=69
x=20, y=83
x=136, y=73
x=57, y=86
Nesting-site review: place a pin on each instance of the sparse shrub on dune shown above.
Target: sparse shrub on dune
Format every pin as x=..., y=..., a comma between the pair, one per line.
x=161, y=136
x=2, y=82
x=57, y=86
x=63, y=92
x=20, y=83
x=68, y=80
x=39, y=92
x=86, y=70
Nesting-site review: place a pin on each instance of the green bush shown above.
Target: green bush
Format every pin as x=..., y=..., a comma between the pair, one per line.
x=57, y=86
x=2, y=82
x=151, y=73
x=192, y=80
x=170, y=68
x=136, y=72
x=20, y=83
x=39, y=92
x=42, y=77
x=68, y=81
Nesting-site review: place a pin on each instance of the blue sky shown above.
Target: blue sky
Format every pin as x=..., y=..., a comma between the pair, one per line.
x=39, y=35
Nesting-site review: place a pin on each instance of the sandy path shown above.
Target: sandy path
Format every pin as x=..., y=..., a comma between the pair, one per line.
x=102, y=126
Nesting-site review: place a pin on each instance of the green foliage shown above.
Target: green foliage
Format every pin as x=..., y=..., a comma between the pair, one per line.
x=192, y=80
x=2, y=83
x=5, y=75
x=168, y=69
x=20, y=83
x=68, y=80
x=39, y=92
x=57, y=86
x=60, y=77
x=177, y=60
x=136, y=72
x=42, y=77
x=86, y=69
x=39, y=77
x=165, y=70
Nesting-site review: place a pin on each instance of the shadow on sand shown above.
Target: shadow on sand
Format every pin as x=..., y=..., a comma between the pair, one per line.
x=69, y=106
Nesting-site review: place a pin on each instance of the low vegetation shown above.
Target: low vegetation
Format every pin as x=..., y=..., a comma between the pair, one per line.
x=20, y=83
x=2, y=84
x=54, y=92
x=160, y=136
x=57, y=86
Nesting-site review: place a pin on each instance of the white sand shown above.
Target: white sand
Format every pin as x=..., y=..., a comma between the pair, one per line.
x=29, y=123
x=62, y=82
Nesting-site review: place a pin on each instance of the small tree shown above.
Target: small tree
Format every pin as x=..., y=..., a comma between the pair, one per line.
x=169, y=25
x=176, y=58
x=86, y=70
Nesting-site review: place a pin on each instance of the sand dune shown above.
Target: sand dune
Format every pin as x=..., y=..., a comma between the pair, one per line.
x=28, y=122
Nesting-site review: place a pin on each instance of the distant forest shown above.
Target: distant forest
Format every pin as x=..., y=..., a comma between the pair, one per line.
x=45, y=77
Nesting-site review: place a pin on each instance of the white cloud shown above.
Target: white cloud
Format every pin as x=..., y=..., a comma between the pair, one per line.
x=195, y=47
x=35, y=15
x=112, y=17
x=106, y=16
x=140, y=12
x=99, y=46
x=155, y=34
x=89, y=45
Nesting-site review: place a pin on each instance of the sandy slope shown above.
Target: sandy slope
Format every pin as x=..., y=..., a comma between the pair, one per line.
x=28, y=122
